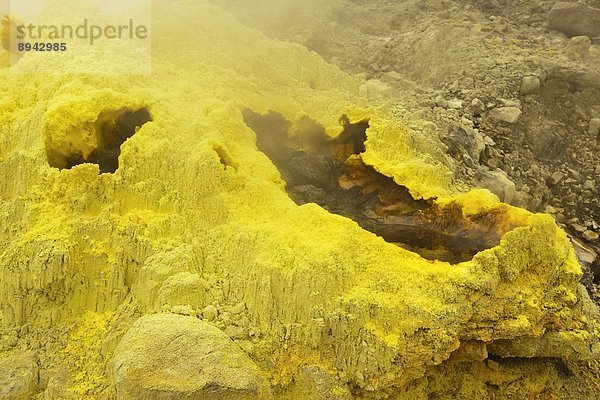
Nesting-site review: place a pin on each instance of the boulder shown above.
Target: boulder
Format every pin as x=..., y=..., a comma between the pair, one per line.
x=477, y=106
x=461, y=138
x=530, y=84
x=169, y=357
x=578, y=48
x=586, y=254
x=498, y=183
x=574, y=19
x=509, y=115
x=546, y=140
x=18, y=375
x=585, y=80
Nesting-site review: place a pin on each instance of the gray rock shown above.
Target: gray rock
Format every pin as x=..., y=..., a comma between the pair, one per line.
x=521, y=199
x=510, y=115
x=461, y=138
x=57, y=386
x=312, y=168
x=497, y=182
x=578, y=47
x=493, y=163
x=399, y=82
x=530, y=84
x=569, y=199
x=584, y=80
x=534, y=203
x=440, y=101
x=169, y=357
x=488, y=141
x=546, y=139
x=575, y=19
x=477, y=106
x=303, y=194
x=586, y=254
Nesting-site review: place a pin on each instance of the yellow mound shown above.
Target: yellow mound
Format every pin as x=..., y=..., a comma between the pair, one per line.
x=196, y=221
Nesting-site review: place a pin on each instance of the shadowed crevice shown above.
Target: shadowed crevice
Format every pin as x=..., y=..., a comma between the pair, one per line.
x=330, y=172
x=112, y=129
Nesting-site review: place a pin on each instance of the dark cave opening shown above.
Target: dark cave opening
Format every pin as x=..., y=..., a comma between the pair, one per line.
x=330, y=172
x=112, y=129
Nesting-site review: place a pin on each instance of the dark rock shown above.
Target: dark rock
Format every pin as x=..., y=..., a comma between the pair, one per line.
x=316, y=169
x=574, y=19
x=462, y=139
x=546, y=140
x=303, y=194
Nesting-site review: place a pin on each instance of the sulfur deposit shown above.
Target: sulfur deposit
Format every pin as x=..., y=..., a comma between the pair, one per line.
x=150, y=250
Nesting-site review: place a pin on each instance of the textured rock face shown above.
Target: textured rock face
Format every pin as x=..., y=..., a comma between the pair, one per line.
x=196, y=220
x=18, y=375
x=575, y=19
x=171, y=357
x=314, y=383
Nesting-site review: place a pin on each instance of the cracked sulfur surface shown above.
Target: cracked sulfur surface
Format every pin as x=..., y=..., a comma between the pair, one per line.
x=191, y=221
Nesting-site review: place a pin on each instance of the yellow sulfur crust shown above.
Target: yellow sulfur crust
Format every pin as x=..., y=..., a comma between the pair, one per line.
x=83, y=255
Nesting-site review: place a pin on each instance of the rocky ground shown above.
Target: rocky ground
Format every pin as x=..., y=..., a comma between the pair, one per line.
x=512, y=87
